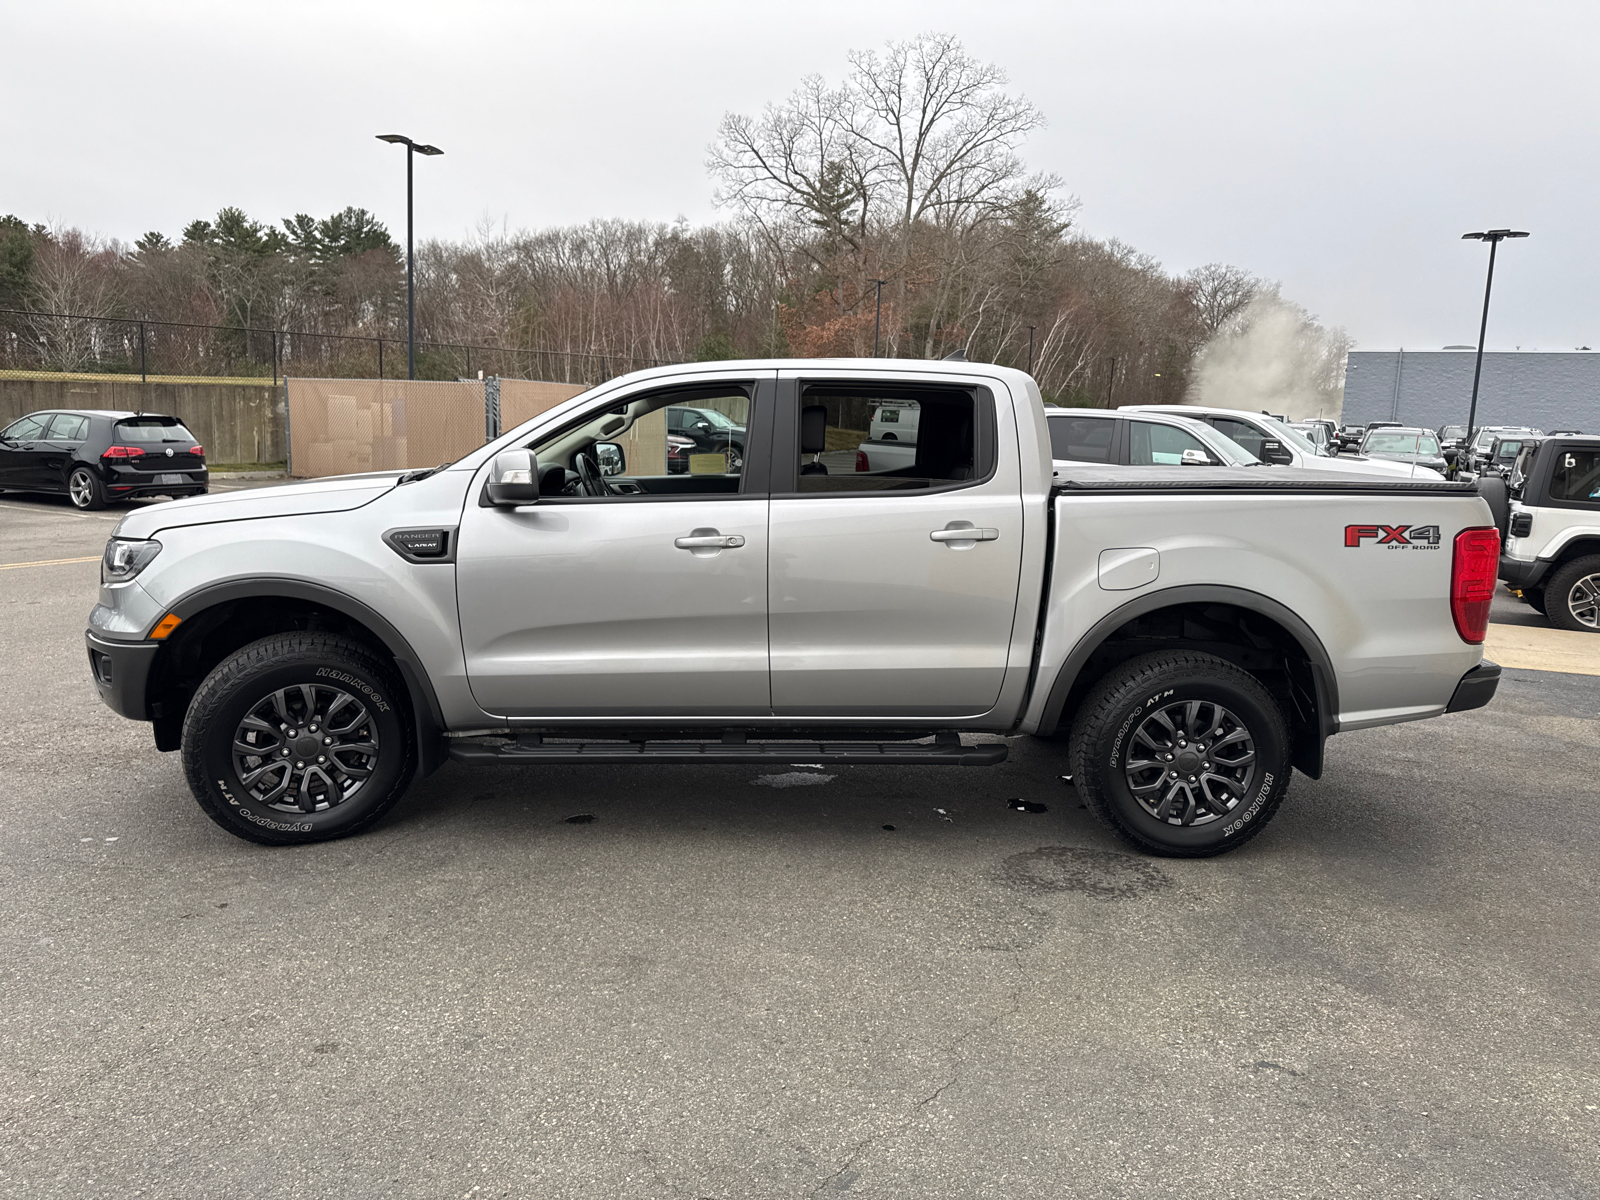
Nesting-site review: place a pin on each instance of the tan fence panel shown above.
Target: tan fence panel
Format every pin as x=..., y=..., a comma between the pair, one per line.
x=345, y=426
x=523, y=399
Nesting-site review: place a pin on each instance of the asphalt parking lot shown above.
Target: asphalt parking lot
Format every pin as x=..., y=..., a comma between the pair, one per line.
x=734, y=984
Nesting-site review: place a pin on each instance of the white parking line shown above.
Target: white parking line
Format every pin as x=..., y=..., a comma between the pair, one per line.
x=19, y=506
x=50, y=562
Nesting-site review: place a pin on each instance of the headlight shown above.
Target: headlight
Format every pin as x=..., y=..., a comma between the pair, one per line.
x=124, y=559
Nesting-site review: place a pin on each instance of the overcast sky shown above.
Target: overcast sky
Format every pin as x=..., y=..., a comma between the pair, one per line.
x=1339, y=146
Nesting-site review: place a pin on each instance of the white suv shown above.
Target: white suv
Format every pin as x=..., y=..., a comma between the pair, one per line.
x=1275, y=443
x=1117, y=436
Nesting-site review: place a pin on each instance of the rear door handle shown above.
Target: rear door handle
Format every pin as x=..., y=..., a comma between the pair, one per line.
x=969, y=534
x=710, y=541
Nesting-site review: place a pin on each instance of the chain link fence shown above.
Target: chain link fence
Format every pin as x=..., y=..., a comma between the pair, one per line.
x=65, y=344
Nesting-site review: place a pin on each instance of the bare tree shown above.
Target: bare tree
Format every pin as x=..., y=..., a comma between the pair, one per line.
x=73, y=272
x=1219, y=293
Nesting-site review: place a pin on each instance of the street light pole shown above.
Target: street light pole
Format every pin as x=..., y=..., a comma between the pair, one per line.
x=1494, y=237
x=877, y=321
x=411, y=256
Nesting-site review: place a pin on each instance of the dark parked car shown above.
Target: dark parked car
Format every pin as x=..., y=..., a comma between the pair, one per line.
x=710, y=431
x=94, y=456
x=1397, y=443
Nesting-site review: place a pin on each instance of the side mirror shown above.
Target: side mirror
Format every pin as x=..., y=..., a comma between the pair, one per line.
x=1275, y=453
x=610, y=458
x=514, y=478
x=1197, y=458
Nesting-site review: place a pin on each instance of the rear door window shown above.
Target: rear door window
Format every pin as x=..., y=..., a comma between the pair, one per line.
x=1083, y=439
x=68, y=428
x=1576, y=478
x=889, y=437
x=138, y=430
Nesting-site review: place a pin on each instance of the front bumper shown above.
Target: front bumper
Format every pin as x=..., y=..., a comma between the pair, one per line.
x=1477, y=687
x=1523, y=572
x=121, y=671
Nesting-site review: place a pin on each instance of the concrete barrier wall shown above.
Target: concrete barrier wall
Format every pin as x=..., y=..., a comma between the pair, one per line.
x=236, y=423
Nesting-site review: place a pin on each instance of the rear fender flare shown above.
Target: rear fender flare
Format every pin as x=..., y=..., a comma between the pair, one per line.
x=1324, y=680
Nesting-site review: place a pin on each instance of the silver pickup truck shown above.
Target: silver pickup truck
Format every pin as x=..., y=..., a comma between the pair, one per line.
x=561, y=597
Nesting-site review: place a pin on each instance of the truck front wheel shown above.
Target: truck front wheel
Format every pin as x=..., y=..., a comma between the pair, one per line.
x=299, y=737
x=1181, y=754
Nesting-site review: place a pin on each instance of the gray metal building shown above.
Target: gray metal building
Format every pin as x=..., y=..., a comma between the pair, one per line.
x=1547, y=389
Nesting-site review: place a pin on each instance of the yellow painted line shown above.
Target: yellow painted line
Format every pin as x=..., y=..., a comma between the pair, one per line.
x=50, y=562
x=1533, y=648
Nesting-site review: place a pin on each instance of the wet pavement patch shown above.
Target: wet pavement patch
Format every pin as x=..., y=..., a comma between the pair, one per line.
x=579, y=819
x=1103, y=874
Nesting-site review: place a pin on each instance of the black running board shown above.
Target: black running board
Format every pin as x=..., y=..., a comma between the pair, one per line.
x=525, y=752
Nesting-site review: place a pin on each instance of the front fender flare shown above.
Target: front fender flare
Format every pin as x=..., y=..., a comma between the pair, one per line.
x=426, y=713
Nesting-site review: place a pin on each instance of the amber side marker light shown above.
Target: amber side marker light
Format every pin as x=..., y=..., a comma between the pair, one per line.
x=167, y=624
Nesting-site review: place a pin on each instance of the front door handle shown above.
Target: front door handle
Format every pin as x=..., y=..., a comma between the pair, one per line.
x=965, y=533
x=710, y=541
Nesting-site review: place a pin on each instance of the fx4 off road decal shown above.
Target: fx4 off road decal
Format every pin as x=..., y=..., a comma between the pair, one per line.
x=1395, y=537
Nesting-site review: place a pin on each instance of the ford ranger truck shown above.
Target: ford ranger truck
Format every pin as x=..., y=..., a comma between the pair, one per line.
x=1187, y=638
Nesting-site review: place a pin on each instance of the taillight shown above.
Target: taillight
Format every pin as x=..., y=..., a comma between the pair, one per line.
x=861, y=461
x=123, y=452
x=198, y=451
x=1472, y=578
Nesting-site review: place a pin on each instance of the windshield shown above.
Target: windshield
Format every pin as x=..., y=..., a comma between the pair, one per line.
x=1231, y=453
x=1451, y=432
x=1220, y=444
x=1293, y=436
x=152, y=429
x=1400, y=441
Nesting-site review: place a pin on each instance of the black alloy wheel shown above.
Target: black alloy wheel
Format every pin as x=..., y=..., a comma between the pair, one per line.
x=299, y=737
x=1181, y=754
x=306, y=748
x=1190, y=763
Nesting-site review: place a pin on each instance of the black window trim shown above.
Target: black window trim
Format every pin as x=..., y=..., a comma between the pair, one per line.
x=753, y=480
x=785, y=463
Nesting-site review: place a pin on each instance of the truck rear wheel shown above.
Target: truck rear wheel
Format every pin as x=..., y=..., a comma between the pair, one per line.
x=1181, y=754
x=1572, y=596
x=299, y=737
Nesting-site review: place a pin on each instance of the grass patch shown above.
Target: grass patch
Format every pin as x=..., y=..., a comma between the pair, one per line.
x=842, y=439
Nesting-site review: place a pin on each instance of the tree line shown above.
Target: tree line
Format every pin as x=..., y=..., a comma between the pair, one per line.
x=894, y=210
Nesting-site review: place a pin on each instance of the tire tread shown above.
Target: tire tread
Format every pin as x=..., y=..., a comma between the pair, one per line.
x=1106, y=701
x=274, y=651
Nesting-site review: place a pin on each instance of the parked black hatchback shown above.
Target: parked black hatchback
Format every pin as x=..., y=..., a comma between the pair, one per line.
x=95, y=456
